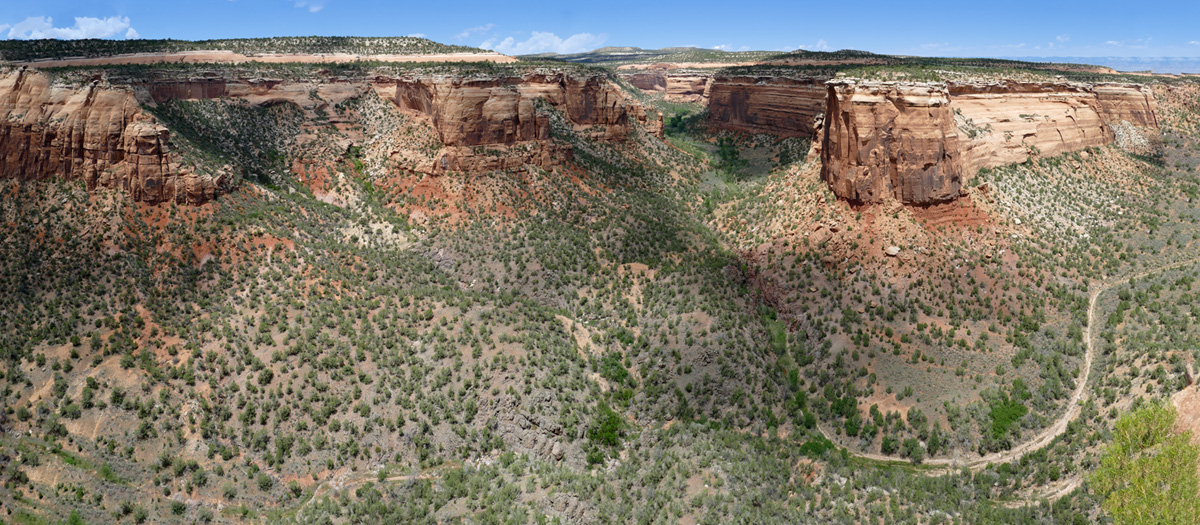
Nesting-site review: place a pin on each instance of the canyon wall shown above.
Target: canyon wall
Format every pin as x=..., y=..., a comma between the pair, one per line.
x=918, y=143
x=675, y=87
x=465, y=112
x=500, y=111
x=887, y=140
x=95, y=133
x=100, y=134
x=776, y=105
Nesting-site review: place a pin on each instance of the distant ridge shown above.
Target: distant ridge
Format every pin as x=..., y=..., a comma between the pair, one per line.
x=1170, y=65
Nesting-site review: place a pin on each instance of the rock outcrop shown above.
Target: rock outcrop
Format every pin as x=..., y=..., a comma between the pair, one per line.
x=483, y=124
x=1009, y=122
x=96, y=133
x=675, y=87
x=888, y=140
x=775, y=105
x=918, y=143
x=474, y=112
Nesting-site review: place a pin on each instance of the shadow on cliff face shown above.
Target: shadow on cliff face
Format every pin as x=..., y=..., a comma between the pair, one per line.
x=217, y=132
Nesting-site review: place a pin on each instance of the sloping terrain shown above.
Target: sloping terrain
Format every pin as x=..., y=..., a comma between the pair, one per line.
x=533, y=293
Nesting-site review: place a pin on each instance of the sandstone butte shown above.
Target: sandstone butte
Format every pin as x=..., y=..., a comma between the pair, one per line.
x=100, y=134
x=919, y=143
x=97, y=134
x=916, y=143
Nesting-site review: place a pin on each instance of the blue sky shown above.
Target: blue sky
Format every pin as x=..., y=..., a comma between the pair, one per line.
x=1013, y=28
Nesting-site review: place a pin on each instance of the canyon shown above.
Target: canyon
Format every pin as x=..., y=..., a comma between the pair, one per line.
x=919, y=143
x=100, y=132
x=674, y=84
x=916, y=143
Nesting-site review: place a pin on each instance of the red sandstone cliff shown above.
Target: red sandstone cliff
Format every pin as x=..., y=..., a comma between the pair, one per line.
x=464, y=112
x=780, y=106
x=675, y=87
x=95, y=133
x=918, y=143
x=100, y=134
x=886, y=140
x=500, y=112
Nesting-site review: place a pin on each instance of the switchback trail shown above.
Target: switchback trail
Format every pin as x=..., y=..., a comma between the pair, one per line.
x=1047, y=435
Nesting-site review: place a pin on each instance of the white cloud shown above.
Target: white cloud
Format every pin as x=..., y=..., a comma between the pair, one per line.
x=722, y=47
x=1063, y=38
x=546, y=42
x=4, y=27
x=416, y=35
x=821, y=45
x=1192, y=42
x=477, y=29
x=36, y=27
x=312, y=7
x=132, y=34
x=1136, y=43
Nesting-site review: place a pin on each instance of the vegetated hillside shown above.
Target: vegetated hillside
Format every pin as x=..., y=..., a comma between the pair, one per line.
x=650, y=330
x=26, y=50
x=616, y=56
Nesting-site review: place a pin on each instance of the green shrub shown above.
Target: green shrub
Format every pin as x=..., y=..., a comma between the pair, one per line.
x=1148, y=473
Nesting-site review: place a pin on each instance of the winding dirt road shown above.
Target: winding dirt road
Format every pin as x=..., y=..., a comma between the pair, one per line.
x=1048, y=434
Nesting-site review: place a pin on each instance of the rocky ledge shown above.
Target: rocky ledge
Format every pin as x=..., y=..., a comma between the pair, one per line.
x=97, y=133
x=918, y=143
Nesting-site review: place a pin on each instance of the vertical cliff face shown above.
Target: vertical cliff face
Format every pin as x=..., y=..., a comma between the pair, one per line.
x=675, y=87
x=470, y=112
x=891, y=141
x=1123, y=102
x=1008, y=122
x=917, y=143
x=95, y=133
x=780, y=106
x=100, y=134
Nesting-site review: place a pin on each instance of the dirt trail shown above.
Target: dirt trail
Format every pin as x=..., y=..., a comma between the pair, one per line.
x=1073, y=405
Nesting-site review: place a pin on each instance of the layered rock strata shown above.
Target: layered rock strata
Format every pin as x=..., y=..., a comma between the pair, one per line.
x=917, y=143
x=776, y=105
x=100, y=134
x=95, y=133
x=495, y=113
x=887, y=140
x=474, y=112
x=675, y=87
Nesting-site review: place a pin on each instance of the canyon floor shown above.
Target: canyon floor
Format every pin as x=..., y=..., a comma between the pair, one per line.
x=530, y=290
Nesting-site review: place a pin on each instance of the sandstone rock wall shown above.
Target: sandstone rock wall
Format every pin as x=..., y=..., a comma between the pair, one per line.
x=780, y=106
x=96, y=133
x=919, y=143
x=1009, y=122
x=887, y=140
x=1123, y=102
x=474, y=112
x=675, y=87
